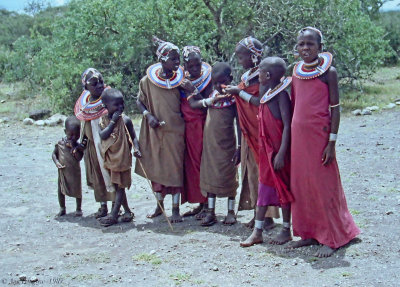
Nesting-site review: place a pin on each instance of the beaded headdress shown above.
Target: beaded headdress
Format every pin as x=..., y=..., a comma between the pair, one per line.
x=315, y=30
x=85, y=79
x=248, y=43
x=187, y=50
x=164, y=48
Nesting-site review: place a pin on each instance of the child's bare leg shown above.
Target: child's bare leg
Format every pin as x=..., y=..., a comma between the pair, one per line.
x=324, y=251
x=203, y=212
x=61, y=201
x=128, y=215
x=285, y=235
x=78, y=211
x=210, y=218
x=103, y=210
x=268, y=223
x=176, y=217
x=157, y=211
x=256, y=236
x=250, y=224
x=112, y=218
x=194, y=211
x=230, y=218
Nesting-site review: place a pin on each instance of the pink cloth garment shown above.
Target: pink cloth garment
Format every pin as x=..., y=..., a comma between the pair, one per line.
x=320, y=209
x=273, y=184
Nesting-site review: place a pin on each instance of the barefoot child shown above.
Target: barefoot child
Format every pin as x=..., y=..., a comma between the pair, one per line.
x=117, y=137
x=320, y=213
x=197, y=86
x=218, y=162
x=89, y=108
x=249, y=52
x=274, y=143
x=66, y=156
x=162, y=132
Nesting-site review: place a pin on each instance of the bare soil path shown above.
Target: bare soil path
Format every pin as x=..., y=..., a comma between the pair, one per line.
x=79, y=252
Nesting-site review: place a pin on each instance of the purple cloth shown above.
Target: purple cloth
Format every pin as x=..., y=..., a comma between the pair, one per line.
x=267, y=196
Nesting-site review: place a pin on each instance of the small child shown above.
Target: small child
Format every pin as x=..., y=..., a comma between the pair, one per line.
x=320, y=213
x=117, y=137
x=66, y=156
x=274, y=145
x=218, y=171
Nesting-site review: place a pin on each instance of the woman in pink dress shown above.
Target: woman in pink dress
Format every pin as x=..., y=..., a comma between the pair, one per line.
x=319, y=211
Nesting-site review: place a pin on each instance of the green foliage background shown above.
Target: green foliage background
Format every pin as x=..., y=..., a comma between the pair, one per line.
x=115, y=38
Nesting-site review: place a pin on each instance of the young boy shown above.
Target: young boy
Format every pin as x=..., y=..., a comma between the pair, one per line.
x=249, y=52
x=274, y=146
x=89, y=108
x=220, y=156
x=162, y=132
x=66, y=156
x=117, y=137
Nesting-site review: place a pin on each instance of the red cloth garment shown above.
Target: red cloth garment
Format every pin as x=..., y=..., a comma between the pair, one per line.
x=270, y=138
x=194, y=126
x=320, y=209
x=248, y=117
x=158, y=187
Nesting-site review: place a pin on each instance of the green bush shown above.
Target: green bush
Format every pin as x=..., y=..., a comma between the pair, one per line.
x=115, y=38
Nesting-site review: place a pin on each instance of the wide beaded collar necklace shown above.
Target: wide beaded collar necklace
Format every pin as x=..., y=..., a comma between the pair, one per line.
x=305, y=71
x=271, y=93
x=87, y=110
x=249, y=75
x=205, y=78
x=153, y=72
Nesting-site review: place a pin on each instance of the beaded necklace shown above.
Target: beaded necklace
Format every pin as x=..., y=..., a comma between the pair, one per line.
x=153, y=73
x=86, y=110
x=313, y=70
x=204, y=79
x=249, y=75
x=271, y=93
x=223, y=103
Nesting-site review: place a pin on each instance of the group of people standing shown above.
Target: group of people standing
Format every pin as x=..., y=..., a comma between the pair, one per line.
x=189, y=146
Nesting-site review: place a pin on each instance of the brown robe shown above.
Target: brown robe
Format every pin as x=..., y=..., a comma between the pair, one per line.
x=218, y=174
x=162, y=148
x=94, y=177
x=69, y=177
x=116, y=151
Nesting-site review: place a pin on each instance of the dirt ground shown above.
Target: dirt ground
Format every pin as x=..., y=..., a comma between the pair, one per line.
x=79, y=252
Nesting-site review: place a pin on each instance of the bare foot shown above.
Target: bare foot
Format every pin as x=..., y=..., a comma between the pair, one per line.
x=324, y=251
x=202, y=214
x=302, y=243
x=156, y=212
x=78, y=213
x=250, y=224
x=101, y=212
x=127, y=216
x=62, y=212
x=193, y=212
x=209, y=219
x=268, y=224
x=108, y=220
x=230, y=218
x=176, y=217
x=254, y=238
x=283, y=237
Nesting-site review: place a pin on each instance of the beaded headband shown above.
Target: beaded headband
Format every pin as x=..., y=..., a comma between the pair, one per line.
x=187, y=50
x=315, y=30
x=248, y=43
x=164, y=48
x=85, y=79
